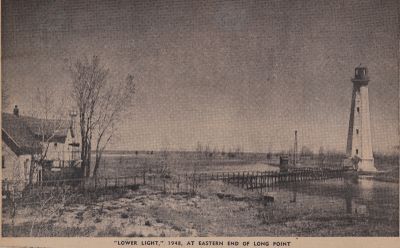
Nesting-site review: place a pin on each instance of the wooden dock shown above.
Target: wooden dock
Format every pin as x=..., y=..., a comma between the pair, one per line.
x=263, y=179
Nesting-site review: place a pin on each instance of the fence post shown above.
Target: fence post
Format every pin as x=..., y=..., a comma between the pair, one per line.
x=247, y=180
x=186, y=182
x=179, y=181
x=164, y=184
x=256, y=180
x=265, y=179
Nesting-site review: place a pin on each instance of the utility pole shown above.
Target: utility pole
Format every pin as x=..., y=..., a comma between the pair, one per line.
x=295, y=148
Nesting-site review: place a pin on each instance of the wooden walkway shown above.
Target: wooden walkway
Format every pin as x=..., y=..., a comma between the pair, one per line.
x=263, y=179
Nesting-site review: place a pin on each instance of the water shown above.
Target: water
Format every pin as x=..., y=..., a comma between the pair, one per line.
x=114, y=165
x=339, y=207
x=231, y=168
x=334, y=207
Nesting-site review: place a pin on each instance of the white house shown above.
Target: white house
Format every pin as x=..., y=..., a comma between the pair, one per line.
x=15, y=164
x=26, y=140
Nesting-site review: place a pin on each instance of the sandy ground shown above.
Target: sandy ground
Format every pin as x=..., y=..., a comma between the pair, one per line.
x=146, y=212
x=217, y=209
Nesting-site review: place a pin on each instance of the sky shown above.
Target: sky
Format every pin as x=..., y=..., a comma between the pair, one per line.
x=224, y=73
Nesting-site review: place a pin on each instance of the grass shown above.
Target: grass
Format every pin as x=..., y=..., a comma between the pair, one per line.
x=215, y=208
x=110, y=231
x=45, y=229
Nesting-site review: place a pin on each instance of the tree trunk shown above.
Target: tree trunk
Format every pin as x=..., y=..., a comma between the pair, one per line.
x=83, y=156
x=96, y=165
x=88, y=159
x=31, y=172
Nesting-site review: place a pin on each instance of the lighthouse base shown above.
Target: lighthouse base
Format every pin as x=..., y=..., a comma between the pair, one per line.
x=366, y=165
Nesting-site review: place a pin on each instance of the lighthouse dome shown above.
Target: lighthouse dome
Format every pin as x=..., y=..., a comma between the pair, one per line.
x=361, y=75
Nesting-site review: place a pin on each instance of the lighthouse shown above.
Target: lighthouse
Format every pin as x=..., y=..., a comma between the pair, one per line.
x=359, y=147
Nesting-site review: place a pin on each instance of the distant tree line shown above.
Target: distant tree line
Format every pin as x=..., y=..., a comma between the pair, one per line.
x=205, y=151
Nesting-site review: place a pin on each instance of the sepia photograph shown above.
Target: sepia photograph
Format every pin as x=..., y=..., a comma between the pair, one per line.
x=194, y=118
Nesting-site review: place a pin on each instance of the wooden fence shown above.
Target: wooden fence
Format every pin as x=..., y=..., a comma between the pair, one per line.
x=187, y=182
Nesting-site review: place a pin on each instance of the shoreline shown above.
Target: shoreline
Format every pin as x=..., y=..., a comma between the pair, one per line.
x=215, y=209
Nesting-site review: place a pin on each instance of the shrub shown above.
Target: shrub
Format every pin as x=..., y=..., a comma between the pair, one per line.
x=109, y=232
x=135, y=234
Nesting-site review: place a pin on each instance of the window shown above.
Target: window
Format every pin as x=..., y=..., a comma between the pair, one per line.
x=358, y=109
x=357, y=131
x=3, y=162
x=357, y=151
x=39, y=176
x=55, y=144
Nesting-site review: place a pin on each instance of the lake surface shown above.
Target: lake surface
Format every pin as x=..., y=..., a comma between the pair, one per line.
x=238, y=168
x=334, y=207
x=114, y=165
x=338, y=207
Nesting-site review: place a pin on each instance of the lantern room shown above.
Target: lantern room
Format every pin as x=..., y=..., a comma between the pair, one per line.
x=361, y=75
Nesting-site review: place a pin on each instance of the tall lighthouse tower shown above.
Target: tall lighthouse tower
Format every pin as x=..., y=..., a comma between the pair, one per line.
x=359, y=136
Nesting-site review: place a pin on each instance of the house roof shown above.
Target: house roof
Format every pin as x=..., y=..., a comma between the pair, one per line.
x=23, y=133
x=47, y=130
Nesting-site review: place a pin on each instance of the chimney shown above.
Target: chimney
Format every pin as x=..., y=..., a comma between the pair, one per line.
x=73, y=115
x=16, y=110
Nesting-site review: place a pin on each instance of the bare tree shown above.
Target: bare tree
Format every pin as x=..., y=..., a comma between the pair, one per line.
x=100, y=107
x=45, y=123
x=12, y=193
x=199, y=148
x=53, y=204
x=207, y=151
x=215, y=151
x=49, y=122
x=238, y=151
x=223, y=151
x=306, y=151
x=321, y=155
